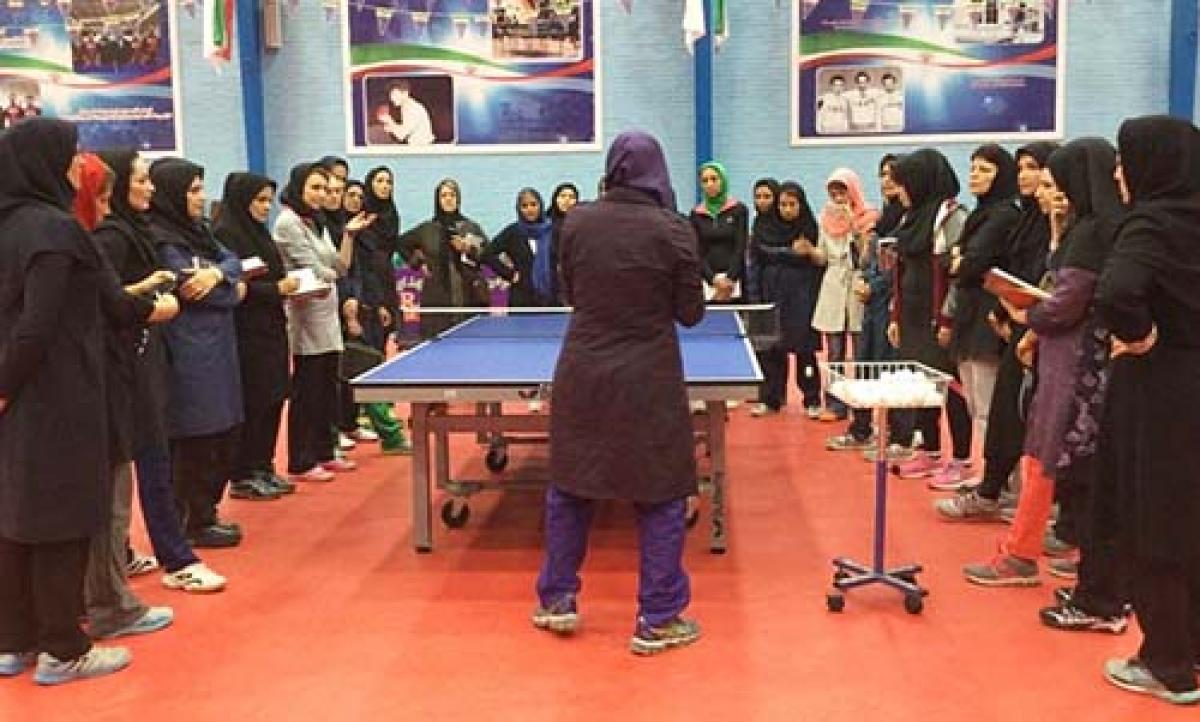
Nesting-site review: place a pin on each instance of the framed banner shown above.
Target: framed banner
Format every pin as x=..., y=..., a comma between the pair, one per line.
x=471, y=76
x=884, y=71
x=106, y=65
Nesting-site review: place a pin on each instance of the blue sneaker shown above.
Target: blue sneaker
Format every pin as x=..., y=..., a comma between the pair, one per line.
x=14, y=663
x=1133, y=676
x=678, y=632
x=153, y=620
x=96, y=662
x=562, y=617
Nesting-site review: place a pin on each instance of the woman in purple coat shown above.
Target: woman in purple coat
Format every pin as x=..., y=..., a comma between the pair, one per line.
x=619, y=426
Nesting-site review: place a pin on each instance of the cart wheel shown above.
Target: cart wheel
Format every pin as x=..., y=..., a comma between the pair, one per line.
x=693, y=517
x=496, y=459
x=835, y=601
x=841, y=574
x=913, y=603
x=455, y=514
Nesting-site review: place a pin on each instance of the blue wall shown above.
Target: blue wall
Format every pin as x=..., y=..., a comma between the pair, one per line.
x=304, y=117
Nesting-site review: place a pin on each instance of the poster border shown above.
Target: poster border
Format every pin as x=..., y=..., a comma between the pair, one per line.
x=795, y=140
x=596, y=145
x=173, y=7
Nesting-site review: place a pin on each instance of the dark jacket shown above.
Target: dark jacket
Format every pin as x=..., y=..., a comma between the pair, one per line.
x=449, y=280
x=514, y=244
x=722, y=240
x=983, y=245
x=619, y=424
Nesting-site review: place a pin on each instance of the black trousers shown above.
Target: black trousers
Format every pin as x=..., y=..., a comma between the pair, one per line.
x=774, y=363
x=1166, y=597
x=996, y=472
x=1103, y=585
x=313, y=413
x=928, y=422
x=202, y=466
x=260, y=433
x=41, y=598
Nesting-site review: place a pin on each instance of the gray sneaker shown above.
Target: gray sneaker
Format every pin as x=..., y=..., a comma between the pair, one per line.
x=1133, y=676
x=678, y=632
x=847, y=442
x=895, y=452
x=1003, y=570
x=562, y=617
x=968, y=506
x=96, y=662
x=14, y=663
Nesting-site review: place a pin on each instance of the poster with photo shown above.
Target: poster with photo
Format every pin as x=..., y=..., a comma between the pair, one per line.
x=926, y=71
x=471, y=76
x=105, y=65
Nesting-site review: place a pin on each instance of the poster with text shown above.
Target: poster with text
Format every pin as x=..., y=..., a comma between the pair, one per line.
x=471, y=76
x=882, y=71
x=105, y=65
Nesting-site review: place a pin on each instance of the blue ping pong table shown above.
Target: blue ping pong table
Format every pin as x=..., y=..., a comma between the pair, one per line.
x=499, y=357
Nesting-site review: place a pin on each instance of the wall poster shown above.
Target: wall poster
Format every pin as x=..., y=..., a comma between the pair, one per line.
x=471, y=76
x=883, y=71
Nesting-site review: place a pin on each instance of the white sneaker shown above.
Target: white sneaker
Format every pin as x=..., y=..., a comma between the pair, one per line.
x=345, y=443
x=140, y=564
x=96, y=662
x=195, y=578
x=364, y=436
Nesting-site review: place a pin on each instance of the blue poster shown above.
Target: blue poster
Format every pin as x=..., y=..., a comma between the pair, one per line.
x=103, y=64
x=446, y=76
x=927, y=71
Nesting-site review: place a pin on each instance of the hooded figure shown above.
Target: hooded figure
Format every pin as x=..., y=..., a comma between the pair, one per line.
x=547, y=267
x=619, y=424
x=372, y=271
x=722, y=225
x=1150, y=288
x=520, y=254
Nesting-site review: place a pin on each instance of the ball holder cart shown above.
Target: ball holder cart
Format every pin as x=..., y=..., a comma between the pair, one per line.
x=849, y=574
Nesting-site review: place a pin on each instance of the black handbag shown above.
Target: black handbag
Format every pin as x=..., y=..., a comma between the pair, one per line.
x=359, y=358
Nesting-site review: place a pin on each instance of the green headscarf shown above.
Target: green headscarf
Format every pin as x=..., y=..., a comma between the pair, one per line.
x=714, y=204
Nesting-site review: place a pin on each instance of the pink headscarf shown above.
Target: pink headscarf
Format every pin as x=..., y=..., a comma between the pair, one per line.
x=862, y=217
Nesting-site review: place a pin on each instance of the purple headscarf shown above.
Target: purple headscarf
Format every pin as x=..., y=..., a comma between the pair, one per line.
x=636, y=160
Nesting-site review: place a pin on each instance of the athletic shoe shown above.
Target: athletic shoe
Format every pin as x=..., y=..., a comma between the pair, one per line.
x=277, y=482
x=1133, y=676
x=254, y=489
x=14, y=663
x=214, y=537
x=847, y=442
x=1064, y=568
x=1052, y=546
x=763, y=410
x=153, y=620
x=195, y=578
x=950, y=478
x=895, y=452
x=678, y=632
x=562, y=617
x=339, y=465
x=1004, y=570
x=1062, y=595
x=921, y=465
x=317, y=473
x=1069, y=618
x=140, y=564
x=399, y=448
x=363, y=436
x=968, y=506
x=96, y=662
x=344, y=442
x=813, y=412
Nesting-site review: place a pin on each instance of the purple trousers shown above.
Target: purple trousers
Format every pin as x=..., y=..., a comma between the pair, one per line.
x=664, y=590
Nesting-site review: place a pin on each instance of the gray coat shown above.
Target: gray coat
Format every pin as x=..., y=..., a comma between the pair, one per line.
x=313, y=324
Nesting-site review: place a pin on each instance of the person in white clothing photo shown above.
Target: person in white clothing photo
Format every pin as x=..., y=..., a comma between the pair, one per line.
x=406, y=119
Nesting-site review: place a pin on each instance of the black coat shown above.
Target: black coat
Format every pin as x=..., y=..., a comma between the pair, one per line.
x=722, y=240
x=984, y=244
x=449, y=281
x=619, y=425
x=513, y=243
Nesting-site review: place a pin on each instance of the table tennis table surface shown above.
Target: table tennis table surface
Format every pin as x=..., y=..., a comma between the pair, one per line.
x=504, y=349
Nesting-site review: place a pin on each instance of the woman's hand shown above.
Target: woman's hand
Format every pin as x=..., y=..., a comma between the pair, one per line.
x=893, y=334
x=385, y=317
x=944, y=336
x=1020, y=315
x=1135, y=348
x=862, y=290
x=153, y=282
x=1000, y=328
x=200, y=283
x=3, y=405
x=166, y=307
x=1027, y=349
x=803, y=246
x=359, y=222
x=287, y=286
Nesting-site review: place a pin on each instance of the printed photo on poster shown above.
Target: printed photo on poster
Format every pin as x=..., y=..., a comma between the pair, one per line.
x=22, y=99
x=476, y=76
x=414, y=110
x=926, y=71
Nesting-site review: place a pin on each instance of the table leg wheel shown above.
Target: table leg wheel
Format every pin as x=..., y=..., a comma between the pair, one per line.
x=835, y=601
x=455, y=514
x=913, y=603
x=496, y=459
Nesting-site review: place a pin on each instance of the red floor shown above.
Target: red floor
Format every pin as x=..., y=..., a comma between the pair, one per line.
x=331, y=616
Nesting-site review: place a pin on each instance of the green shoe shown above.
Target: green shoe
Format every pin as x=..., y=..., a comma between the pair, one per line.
x=399, y=447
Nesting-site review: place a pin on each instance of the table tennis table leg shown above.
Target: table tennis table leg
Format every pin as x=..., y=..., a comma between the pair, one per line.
x=422, y=506
x=716, y=445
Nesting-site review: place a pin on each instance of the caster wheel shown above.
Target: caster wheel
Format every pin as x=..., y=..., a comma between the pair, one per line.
x=913, y=603
x=455, y=514
x=835, y=602
x=839, y=575
x=692, y=518
x=496, y=459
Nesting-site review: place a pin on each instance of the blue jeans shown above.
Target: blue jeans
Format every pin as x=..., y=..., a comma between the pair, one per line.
x=156, y=492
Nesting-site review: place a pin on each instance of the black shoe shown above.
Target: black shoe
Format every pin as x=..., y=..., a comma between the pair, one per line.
x=215, y=537
x=255, y=489
x=276, y=482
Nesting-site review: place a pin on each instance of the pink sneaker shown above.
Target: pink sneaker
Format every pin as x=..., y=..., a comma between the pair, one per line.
x=918, y=467
x=339, y=465
x=314, y=474
x=952, y=477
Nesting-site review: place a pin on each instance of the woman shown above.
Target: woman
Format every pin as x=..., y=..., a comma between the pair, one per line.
x=205, y=409
x=974, y=345
x=619, y=426
x=789, y=266
x=51, y=388
x=722, y=226
x=1083, y=171
x=846, y=225
x=447, y=249
x=928, y=188
x=562, y=200
x=519, y=254
x=1028, y=248
x=128, y=242
x=764, y=192
x=262, y=340
x=1148, y=297
x=314, y=332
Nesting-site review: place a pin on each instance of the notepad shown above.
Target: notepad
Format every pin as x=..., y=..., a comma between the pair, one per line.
x=253, y=267
x=310, y=285
x=1012, y=289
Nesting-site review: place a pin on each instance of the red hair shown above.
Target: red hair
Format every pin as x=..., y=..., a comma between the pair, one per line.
x=95, y=180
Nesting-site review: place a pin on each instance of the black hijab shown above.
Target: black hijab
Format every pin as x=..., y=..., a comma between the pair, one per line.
x=121, y=162
x=557, y=216
x=1083, y=171
x=1030, y=240
x=892, y=211
x=238, y=230
x=35, y=155
x=775, y=231
x=172, y=177
x=447, y=219
x=930, y=180
x=1000, y=196
x=293, y=194
x=1160, y=158
x=387, y=218
x=773, y=185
